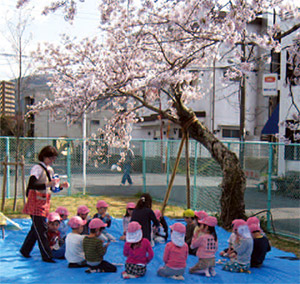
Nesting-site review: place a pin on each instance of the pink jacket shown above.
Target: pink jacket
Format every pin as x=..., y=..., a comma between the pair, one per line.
x=206, y=244
x=142, y=254
x=174, y=256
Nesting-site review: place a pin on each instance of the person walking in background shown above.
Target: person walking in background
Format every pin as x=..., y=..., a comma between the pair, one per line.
x=38, y=203
x=127, y=166
x=143, y=214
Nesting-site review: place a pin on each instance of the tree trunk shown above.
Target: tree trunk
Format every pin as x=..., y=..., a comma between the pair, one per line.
x=234, y=181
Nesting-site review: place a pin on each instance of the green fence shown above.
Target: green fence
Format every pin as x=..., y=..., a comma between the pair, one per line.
x=272, y=171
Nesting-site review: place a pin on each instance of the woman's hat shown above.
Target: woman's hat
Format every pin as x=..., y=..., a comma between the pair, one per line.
x=130, y=205
x=188, y=213
x=157, y=214
x=82, y=209
x=75, y=222
x=178, y=227
x=97, y=223
x=209, y=221
x=101, y=203
x=200, y=214
x=53, y=216
x=62, y=210
x=134, y=232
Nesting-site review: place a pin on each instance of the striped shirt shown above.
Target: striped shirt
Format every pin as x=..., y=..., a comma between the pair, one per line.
x=93, y=249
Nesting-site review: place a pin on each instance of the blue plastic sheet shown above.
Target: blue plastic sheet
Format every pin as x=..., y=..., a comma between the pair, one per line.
x=17, y=269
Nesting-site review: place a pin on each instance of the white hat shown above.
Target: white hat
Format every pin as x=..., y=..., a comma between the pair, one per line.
x=244, y=232
x=134, y=232
x=177, y=238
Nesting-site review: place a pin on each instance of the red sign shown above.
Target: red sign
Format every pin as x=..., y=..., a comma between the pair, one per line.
x=270, y=79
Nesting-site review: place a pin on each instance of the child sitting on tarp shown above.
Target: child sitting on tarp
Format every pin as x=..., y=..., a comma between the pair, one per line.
x=74, y=243
x=83, y=212
x=175, y=254
x=104, y=216
x=127, y=218
x=160, y=234
x=63, y=227
x=261, y=246
x=94, y=249
x=243, y=246
x=56, y=243
x=189, y=217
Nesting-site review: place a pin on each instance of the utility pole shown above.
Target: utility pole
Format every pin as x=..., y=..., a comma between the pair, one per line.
x=242, y=110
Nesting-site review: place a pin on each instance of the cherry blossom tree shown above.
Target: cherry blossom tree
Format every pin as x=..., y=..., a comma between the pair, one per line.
x=142, y=62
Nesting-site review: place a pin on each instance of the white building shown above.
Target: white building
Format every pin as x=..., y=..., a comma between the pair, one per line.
x=43, y=125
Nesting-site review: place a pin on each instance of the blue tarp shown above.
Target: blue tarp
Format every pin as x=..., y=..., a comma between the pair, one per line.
x=279, y=266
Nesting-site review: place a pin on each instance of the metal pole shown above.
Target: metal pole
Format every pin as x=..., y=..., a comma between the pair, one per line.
x=187, y=160
x=69, y=168
x=8, y=167
x=84, y=152
x=168, y=162
x=144, y=166
x=195, y=177
x=269, y=186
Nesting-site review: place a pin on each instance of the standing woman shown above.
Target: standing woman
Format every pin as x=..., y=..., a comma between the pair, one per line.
x=38, y=203
x=144, y=215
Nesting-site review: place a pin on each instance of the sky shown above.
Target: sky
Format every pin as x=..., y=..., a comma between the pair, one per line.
x=40, y=29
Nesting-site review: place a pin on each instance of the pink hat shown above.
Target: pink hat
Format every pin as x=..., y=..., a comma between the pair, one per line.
x=97, y=223
x=253, y=220
x=62, y=210
x=134, y=232
x=101, y=203
x=237, y=223
x=209, y=221
x=254, y=227
x=178, y=227
x=130, y=205
x=75, y=222
x=200, y=214
x=53, y=216
x=157, y=214
x=82, y=209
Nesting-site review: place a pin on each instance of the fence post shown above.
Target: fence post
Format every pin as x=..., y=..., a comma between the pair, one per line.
x=228, y=145
x=195, y=177
x=269, y=186
x=8, y=167
x=168, y=162
x=69, y=169
x=144, y=166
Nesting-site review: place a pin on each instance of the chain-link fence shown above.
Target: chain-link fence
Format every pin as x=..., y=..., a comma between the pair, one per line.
x=272, y=171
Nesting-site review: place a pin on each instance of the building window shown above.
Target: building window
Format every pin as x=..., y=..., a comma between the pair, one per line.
x=230, y=133
x=95, y=122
